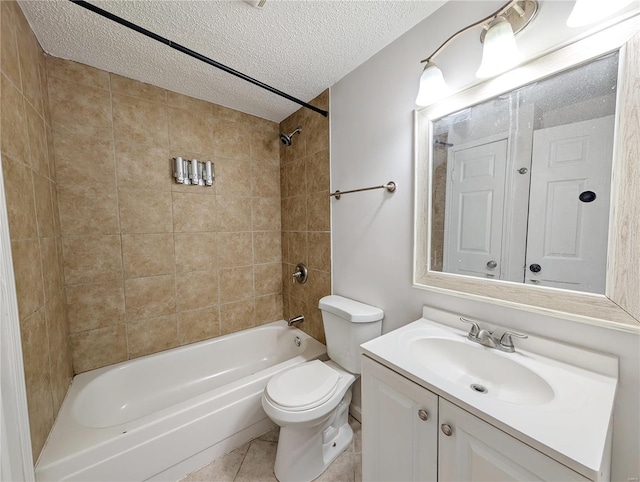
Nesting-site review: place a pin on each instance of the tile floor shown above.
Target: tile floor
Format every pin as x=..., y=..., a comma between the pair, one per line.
x=253, y=462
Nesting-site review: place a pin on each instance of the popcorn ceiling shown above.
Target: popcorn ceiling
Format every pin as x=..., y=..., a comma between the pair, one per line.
x=299, y=47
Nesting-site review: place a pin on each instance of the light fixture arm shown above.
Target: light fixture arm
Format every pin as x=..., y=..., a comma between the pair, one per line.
x=495, y=14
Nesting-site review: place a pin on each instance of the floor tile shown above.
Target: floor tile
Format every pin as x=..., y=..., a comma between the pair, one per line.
x=258, y=463
x=253, y=462
x=357, y=435
x=341, y=470
x=223, y=469
x=271, y=435
x=358, y=467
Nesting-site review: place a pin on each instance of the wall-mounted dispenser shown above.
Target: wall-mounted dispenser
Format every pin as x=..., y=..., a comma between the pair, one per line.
x=192, y=171
x=178, y=170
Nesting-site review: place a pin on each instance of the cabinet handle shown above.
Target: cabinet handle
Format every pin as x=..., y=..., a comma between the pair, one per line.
x=423, y=415
x=446, y=429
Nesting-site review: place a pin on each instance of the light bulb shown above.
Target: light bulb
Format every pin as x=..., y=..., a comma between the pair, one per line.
x=586, y=12
x=432, y=86
x=500, y=52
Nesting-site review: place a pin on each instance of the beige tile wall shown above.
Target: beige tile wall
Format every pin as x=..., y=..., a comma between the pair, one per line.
x=306, y=218
x=112, y=259
x=150, y=264
x=30, y=185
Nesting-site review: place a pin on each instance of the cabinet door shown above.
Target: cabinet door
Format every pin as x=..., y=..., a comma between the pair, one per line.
x=477, y=451
x=397, y=443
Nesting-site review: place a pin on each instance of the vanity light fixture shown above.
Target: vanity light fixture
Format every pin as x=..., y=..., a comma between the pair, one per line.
x=499, y=54
x=586, y=12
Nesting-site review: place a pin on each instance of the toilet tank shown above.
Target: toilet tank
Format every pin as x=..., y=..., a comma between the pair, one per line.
x=348, y=324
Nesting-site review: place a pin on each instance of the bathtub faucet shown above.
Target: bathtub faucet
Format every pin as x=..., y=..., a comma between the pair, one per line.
x=296, y=319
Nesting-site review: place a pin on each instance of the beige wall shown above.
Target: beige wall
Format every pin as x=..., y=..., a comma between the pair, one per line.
x=30, y=184
x=306, y=217
x=150, y=264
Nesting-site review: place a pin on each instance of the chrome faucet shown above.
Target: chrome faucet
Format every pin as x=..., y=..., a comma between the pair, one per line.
x=295, y=319
x=486, y=338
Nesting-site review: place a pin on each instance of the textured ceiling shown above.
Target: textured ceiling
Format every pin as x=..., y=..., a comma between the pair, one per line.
x=299, y=47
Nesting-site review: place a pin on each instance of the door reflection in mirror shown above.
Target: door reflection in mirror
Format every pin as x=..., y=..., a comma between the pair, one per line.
x=509, y=178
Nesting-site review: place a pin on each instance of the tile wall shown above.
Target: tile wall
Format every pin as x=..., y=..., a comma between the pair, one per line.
x=30, y=185
x=113, y=260
x=150, y=264
x=306, y=216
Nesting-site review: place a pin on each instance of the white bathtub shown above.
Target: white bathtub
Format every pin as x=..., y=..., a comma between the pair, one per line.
x=162, y=416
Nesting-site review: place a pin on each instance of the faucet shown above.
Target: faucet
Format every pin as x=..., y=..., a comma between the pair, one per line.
x=295, y=319
x=486, y=338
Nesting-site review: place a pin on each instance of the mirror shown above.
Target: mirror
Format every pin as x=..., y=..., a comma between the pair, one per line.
x=521, y=182
x=525, y=185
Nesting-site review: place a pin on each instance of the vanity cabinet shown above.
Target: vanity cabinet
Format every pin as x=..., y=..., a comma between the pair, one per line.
x=399, y=429
x=411, y=434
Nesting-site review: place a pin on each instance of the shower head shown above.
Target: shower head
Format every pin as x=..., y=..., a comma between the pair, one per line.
x=286, y=139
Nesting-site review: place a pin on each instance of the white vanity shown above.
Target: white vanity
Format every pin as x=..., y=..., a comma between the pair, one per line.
x=439, y=406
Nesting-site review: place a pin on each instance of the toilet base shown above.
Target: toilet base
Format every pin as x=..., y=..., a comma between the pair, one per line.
x=305, y=452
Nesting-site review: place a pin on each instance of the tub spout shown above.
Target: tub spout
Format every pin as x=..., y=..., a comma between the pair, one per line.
x=295, y=319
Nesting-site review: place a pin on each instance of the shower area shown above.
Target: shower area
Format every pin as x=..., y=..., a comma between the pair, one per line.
x=113, y=259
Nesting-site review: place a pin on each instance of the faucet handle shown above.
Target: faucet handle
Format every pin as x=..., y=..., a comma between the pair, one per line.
x=475, y=329
x=300, y=274
x=506, y=343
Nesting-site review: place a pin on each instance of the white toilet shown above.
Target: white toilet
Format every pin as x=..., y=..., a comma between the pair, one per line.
x=310, y=402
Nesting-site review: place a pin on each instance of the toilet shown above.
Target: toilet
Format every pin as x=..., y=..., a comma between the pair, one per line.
x=310, y=402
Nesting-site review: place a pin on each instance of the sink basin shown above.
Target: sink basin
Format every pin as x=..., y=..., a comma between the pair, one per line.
x=558, y=396
x=483, y=370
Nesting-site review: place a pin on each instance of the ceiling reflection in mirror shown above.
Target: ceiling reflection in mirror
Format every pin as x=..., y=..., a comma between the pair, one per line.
x=521, y=183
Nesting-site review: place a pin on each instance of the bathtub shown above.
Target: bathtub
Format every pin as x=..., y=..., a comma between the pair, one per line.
x=162, y=416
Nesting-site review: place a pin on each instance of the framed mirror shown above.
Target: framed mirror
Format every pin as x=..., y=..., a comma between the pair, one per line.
x=526, y=190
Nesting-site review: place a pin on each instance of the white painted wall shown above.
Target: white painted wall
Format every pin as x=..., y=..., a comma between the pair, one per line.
x=372, y=143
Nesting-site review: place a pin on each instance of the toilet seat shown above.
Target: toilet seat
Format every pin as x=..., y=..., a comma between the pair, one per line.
x=303, y=387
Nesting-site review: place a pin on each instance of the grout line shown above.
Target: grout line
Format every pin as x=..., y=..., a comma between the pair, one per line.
x=243, y=460
x=253, y=247
x=43, y=306
x=38, y=238
x=217, y=269
x=115, y=173
x=60, y=255
x=173, y=226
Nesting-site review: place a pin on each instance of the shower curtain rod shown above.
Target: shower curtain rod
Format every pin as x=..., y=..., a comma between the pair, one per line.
x=193, y=54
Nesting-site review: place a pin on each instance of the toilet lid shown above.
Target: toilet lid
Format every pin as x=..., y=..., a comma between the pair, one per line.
x=303, y=387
